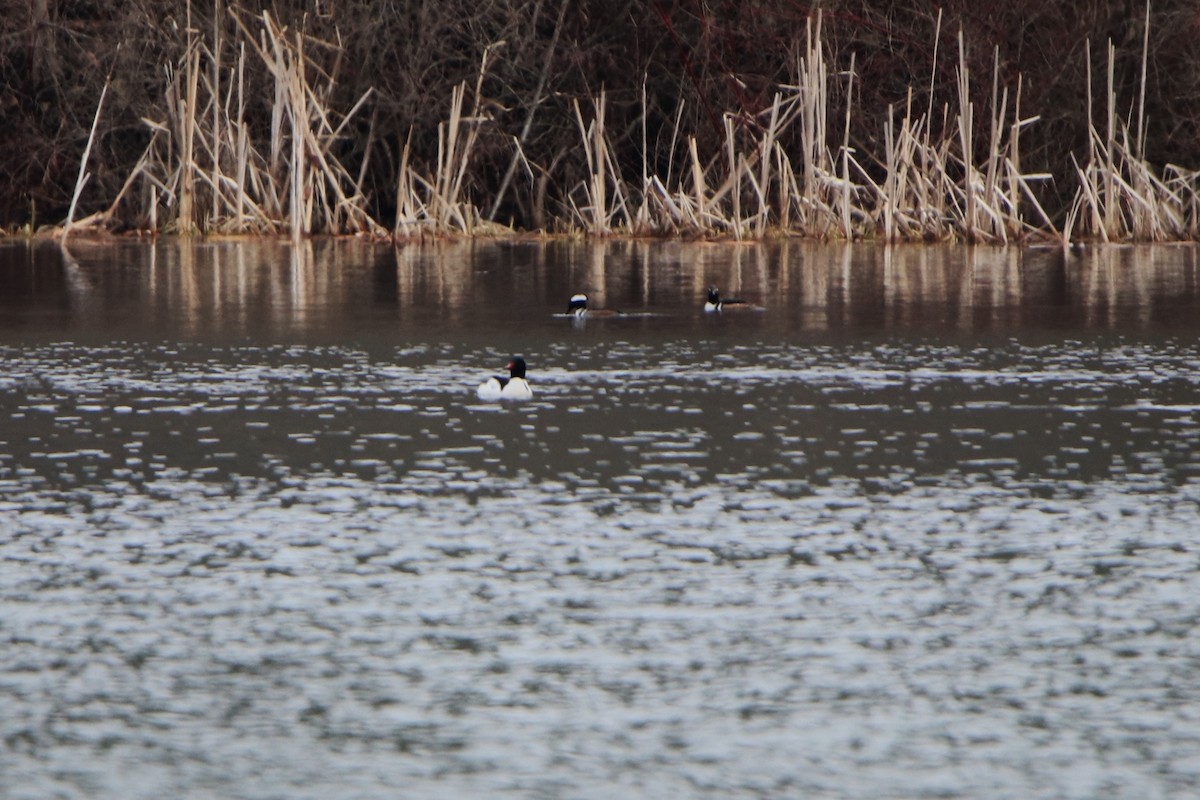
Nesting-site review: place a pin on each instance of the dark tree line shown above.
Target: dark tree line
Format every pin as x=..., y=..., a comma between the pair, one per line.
x=665, y=66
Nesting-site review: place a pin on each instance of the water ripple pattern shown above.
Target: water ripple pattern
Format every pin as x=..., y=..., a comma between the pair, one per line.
x=686, y=569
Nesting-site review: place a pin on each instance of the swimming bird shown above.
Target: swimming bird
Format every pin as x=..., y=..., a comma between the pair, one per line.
x=514, y=387
x=715, y=303
x=578, y=307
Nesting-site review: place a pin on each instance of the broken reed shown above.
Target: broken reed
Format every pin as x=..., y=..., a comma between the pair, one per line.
x=1120, y=196
x=203, y=171
x=931, y=189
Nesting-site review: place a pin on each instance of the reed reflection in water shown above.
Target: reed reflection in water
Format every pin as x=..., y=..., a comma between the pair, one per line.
x=923, y=527
x=332, y=288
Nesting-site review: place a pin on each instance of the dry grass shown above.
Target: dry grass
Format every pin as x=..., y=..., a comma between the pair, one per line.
x=922, y=189
x=204, y=171
x=1121, y=196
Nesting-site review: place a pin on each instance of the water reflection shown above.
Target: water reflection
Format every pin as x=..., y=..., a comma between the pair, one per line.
x=258, y=538
x=274, y=289
x=1136, y=285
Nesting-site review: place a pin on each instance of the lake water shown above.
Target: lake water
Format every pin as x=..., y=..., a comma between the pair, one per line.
x=926, y=525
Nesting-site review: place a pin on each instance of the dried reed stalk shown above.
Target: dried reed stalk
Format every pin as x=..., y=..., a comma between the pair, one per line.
x=1120, y=196
x=776, y=169
x=204, y=164
x=82, y=180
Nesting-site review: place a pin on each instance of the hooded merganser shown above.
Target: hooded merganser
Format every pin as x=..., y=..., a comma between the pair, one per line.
x=715, y=303
x=578, y=307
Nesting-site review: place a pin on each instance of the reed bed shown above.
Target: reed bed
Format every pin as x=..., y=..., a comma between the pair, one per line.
x=923, y=188
x=950, y=173
x=204, y=172
x=1121, y=197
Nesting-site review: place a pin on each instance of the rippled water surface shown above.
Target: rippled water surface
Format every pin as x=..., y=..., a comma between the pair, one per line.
x=926, y=525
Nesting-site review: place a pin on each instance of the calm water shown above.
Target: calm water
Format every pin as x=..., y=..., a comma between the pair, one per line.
x=926, y=526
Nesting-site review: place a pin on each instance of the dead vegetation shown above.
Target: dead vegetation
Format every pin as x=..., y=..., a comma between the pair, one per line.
x=253, y=125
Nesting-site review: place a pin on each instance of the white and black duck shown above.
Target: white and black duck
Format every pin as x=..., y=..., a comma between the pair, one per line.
x=514, y=387
x=578, y=308
x=714, y=302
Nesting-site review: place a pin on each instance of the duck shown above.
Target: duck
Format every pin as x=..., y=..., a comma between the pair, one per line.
x=715, y=303
x=514, y=387
x=578, y=308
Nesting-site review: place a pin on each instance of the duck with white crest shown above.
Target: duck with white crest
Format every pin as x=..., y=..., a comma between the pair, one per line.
x=579, y=309
x=715, y=302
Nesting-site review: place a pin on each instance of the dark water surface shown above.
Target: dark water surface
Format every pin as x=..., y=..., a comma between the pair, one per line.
x=926, y=526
